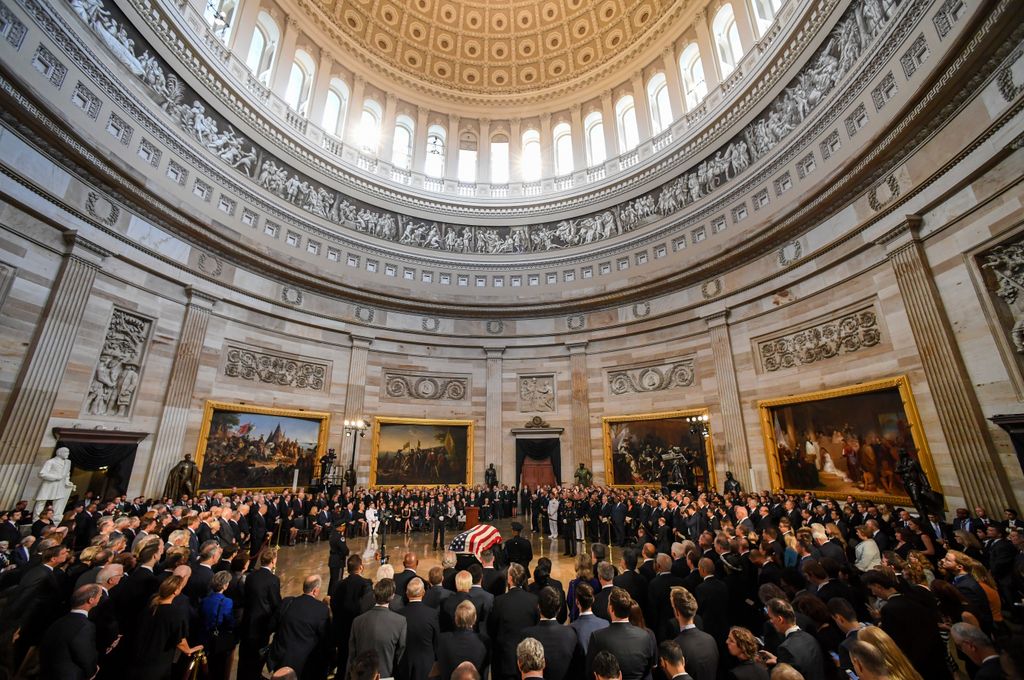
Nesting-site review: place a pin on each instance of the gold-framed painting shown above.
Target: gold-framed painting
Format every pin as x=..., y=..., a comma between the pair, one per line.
x=846, y=441
x=659, y=449
x=421, y=452
x=255, y=447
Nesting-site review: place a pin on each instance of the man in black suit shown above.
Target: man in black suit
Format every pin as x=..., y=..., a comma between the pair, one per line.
x=963, y=581
x=257, y=530
x=38, y=600
x=68, y=649
x=463, y=582
x=438, y=514
x=261, y=604
x=513, y=611
x=345, y=605
x=481, y=599
x=408, y=573
x=422, y=634
x=562, y=651
x=978, y=647
x=699, y=648
x=658, y=605
x=199, y=581
x=380, y=630
x=437, y=592
x=493, y=579
x=605, y=573
x=629, y=579
x=9, y=530
x=713, y=602
x=619, y=523
x=672, y=661
x=999, y=557
x=517, y=548
x=301, y=636
x=338, y=555
x=634, y=648
x=799, y=648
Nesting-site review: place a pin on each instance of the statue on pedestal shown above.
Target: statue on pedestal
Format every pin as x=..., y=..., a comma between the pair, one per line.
x=731, y=485
x=491, y=476
x=56, y=486
x=583, y=476
x=183, y=479
x=915, y=481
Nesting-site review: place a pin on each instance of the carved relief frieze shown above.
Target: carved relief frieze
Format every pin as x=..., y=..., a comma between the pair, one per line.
x=115, y=380
x=845, y=333
x=537, y=393
x=401, y=385
x=1003, y=270
x=652, y=378
x=275, y=368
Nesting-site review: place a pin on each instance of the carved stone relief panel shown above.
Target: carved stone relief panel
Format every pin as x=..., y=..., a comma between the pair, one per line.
x=537, y=393
x=999, y=280
x=652, y=378
x=403, y=385
x=115, y=379
x=846, y=332
x=271, y=367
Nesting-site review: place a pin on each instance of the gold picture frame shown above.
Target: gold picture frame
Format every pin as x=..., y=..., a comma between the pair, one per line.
x=242, y=435
x=883, y=422
x=411, y=466
x=674, y=432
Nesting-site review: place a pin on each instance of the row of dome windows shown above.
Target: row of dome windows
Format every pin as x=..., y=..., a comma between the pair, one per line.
x=369, y=130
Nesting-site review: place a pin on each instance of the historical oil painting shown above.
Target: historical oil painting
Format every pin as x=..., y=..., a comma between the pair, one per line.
x=671, y=449
x=249, y=447
x=412, y=451
x=846, y=441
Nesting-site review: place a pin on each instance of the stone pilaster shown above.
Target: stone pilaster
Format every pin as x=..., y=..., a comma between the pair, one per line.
x=580, y=447
x=493, y=423
x=355, y=395
x=24, y=422
x=170, y=431
x=970, y=446
x=730, y=446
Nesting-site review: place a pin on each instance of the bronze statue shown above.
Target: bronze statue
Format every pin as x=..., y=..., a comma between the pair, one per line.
x=182, y=480
x=491, y=476
x=731, y=485
x=583, y=476
x=915, y=481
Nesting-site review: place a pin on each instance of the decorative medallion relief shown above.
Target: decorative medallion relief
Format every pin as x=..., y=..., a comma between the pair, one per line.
x=291, y=296
x=710, y=289
x=101, y=209
x=883, y=193
x=790, y=253
x=282, y=370
x=1003, y=271
x=116, y=377
x=656, y=378
x=1010, y=78
x=428, y=387
x=537, y=393
x=844, y=334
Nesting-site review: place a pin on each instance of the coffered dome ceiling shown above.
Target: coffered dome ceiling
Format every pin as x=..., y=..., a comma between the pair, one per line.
x=501, y=47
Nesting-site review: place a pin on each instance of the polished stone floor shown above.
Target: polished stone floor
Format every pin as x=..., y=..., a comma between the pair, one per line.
x=296, y=562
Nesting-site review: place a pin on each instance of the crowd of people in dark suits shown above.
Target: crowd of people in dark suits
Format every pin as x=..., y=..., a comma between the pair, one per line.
x=682, y=585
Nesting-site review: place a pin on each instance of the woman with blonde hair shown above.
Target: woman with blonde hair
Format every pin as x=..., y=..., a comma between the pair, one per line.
x=988, y=584
x=971, y=544
x=897, y=662
x=742, y=645
x=584, y=574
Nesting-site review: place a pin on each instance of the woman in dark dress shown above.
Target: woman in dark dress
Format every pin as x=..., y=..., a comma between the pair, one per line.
x=742, y=644
x=163, y=629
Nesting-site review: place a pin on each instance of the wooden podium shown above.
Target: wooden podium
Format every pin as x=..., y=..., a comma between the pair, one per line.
x=472, y=516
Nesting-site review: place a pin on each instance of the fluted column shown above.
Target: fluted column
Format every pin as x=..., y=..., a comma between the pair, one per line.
x=708, y=55
x=451, y=158
x=745, y=25
x=493, y=423
x=355, y=394
x=580, y=447
x=285, y=57
x=354, y=114
x=419, y=148
x=609, y=124
x=970, y=447
x=643, y=107
x=730, y=442
x=242, y=28
x=31, y=404
x=318, y=96
x=483, y=153
x=675, y=83
x=515, y=152
x=547, y=147
x=579, y=144
x=387, y=127
x=170, y=431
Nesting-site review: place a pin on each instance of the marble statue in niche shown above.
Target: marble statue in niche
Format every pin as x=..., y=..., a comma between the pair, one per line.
x=116, y=377
x=537, y=393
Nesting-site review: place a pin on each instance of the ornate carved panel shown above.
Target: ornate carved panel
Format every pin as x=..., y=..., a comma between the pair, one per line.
x=400, y=385
x=275, y=368
x=537, y=393
x=845, y=333
x=652, y=378
x=1003, y=271
x=115, y=379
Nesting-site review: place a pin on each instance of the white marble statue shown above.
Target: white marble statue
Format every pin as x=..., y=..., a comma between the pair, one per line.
x=56, y=486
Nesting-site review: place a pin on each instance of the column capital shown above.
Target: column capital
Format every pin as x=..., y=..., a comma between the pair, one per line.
x=717, y=318
x=199, y=298
x=902, y=235
x=361, y=341
x=292, y=22
x=669, y=52
x=390, y=99
x=576, y=347
x=358, y=79
x=78, y=246
x=545, y=118
x=494, y=352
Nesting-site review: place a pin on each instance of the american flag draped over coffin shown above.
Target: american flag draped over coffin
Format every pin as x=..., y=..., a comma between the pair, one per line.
x=476, y=540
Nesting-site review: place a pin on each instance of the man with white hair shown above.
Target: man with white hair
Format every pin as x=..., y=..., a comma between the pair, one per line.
x=978, y=647
x=530, y=658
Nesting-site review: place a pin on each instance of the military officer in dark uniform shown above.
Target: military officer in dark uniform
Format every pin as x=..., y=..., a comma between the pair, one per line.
x=567, y=527
x=338, y=556
x=437, y=516
x=518, y=549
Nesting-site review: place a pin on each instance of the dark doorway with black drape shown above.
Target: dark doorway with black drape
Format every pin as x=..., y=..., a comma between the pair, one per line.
x=101, y=460
x=538, y=461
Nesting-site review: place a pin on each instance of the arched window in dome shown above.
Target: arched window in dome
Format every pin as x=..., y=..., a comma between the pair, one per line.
x=369, y=126
x=434, y=165
x=335, y=108
x=401, y=152
x=300, y=82
x=499, y=159
x=467, y=157
x=531, y=156
x=727, y=40
x=661, y=107
x=625, y=121
x=695, y=87
x=764, y=13
x=593, y=127
x=562, y=135
x=219, y=15
x=262, y=48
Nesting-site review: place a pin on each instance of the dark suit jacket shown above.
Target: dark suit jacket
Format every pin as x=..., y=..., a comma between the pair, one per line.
x=701, y=653
x=585, y=627
x=38, y=601
x=494, y=581
x=976, y=599
x=301, y=635
x=747, y=670
x=634, y=648
x=915, y=630
x=484, y=603
x=562, y=653
x=435, y=596
x=833, y=551
x=713, y=606
x=646, y=569
x=801, y=650
x=68, y=649
x=198, y=585
x=402, y=579
x=658, y=605
x=262, y=600
x=513, y=611
x=422, y=634
x=634, y=584
x=382, y=631
x=990, y=670
x=462, y=645
x=448, y=607
x=104, y=618
x=600, y=607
